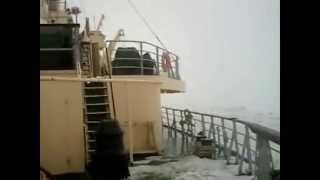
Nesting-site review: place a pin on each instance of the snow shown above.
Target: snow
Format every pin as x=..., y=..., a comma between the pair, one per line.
x=189, y=168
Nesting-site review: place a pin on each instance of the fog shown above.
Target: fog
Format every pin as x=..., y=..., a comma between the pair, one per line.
x=229, y=49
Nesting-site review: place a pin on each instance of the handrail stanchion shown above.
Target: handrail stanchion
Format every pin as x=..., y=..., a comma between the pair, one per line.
x=141, y=59
x=249, y=156
x=183, y=132
x=263, y=159
x=169, y=129
x=225, y=139
x=177, y=73
x=174, y=127
x=236, y=141
x=157, y=59
x=219, y=141
x=246, y=148
x=203, y=124
x=213, y=131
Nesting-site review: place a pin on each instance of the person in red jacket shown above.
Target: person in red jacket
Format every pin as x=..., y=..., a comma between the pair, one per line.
x=166, y=63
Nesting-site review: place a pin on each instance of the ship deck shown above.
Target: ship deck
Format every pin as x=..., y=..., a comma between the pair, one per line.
x=189, y=167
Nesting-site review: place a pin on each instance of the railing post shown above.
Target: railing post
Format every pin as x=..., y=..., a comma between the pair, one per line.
x=210, y=127
x=157, y=59
x=219, y=142
x=272, y=163
x=229, y=150
x=225, y=139
x=162, y=124
x=203, y=124
x=242, y=156
x=249, y=151
x=141, y=59
x=236, y=140
x=263, y=160
x=213, y=131
x=174, y=123
x=168, y=124
x=183, y=133
x=213, y=134
x=187, y=139
x=174, y=126
x=177, y=68
x=188, y=120
x=246, y=148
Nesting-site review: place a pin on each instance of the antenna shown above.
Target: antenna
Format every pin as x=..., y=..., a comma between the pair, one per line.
x=87, y=26
x=100, y=22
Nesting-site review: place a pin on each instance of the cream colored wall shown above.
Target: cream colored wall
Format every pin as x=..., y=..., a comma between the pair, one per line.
x=61, y=127
x=167, y=84
x=59, y=73
x=138, y=104
x=62, y=138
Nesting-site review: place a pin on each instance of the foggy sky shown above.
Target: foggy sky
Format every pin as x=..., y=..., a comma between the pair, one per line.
x=229, y=49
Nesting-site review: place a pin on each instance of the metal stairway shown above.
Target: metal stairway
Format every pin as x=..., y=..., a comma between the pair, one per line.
x=96, y=108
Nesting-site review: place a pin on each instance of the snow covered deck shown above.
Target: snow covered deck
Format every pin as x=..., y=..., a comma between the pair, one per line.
x=188, y=168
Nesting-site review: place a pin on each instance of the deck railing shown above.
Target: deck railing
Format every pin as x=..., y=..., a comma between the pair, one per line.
x=254, y=148
x=157, y=54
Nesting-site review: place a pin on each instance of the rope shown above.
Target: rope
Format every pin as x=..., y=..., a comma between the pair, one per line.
x=146, y=23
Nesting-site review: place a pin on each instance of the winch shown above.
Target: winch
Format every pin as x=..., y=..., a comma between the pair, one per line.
x=204, y=147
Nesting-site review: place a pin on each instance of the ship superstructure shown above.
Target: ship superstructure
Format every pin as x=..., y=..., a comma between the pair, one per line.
x=87, y=77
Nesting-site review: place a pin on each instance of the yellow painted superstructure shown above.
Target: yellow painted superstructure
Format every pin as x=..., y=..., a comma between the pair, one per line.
x=135, y=99
x=61, y=127
x=137, y=104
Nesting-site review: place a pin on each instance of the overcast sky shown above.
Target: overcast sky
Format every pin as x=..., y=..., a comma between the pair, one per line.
x=229, y=49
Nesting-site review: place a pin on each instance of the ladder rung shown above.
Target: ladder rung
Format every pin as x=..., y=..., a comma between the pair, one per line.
x=93, y=122
x=91, y=150
x=102, y=95
x=89, y=113
x=91, y=140
x=90, y=131
x=97, y=87
x=97, y=104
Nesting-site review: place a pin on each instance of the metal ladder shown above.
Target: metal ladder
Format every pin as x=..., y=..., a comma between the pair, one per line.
x=96, y=108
